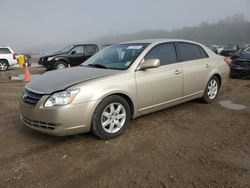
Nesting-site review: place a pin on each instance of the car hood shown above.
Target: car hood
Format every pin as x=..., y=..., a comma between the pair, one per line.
x=54, y=54
x=59, y=80
x=241, y=56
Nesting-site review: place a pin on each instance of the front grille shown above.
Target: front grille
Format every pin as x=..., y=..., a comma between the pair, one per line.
x=31, y=98
x=38, y=124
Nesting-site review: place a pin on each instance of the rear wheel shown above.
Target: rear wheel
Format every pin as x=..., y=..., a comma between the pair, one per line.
x=211, y=90
x=60, y=65
x=3, y=65
x=111, y=117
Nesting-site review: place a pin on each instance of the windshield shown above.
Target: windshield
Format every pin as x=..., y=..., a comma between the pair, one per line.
x=247, y=49
x=228, y=47
x=119, y=56
x=65, y=50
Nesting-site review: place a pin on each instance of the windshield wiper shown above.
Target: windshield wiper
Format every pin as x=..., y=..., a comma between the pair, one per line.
x=98, y=66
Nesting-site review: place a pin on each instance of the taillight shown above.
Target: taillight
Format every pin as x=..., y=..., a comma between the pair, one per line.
x=14, y=56
x=228, y=60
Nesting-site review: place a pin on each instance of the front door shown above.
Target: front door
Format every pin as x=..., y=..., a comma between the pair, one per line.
x=76, y=55
x=158, y=86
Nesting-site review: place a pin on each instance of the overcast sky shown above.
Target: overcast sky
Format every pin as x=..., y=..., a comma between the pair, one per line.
x=25, y=24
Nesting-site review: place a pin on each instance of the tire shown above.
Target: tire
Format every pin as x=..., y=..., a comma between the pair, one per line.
x=212, y=90
x=108, y=123
x=60, y=65
x=4, y=65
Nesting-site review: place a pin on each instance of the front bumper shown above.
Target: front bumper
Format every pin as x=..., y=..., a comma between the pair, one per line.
x=59, y=120
x=46, y=64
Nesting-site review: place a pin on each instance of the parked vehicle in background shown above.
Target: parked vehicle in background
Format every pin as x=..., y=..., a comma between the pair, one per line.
x=228, y=50
x=219, y=49
x=247, y=49
x=72, y=55
x=7, y=58
x=119, y=83
x=213, y=48
x=216, y=48
x=240, y=65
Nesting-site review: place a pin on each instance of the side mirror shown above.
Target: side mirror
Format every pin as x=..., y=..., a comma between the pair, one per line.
x=149, y=64
x=73, y=52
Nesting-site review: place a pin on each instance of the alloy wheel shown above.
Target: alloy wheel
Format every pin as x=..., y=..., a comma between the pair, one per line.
x=3, y=66
x=61, y=66
x=212, y=89
x=113, y=117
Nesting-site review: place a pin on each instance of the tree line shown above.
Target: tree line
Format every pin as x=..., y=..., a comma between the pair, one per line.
x=233, y=30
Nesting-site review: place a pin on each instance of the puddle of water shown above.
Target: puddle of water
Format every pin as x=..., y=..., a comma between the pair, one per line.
x=229, y=105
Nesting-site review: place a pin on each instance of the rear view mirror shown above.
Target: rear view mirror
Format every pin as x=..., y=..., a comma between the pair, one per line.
x=73, y=52
x=149, y=64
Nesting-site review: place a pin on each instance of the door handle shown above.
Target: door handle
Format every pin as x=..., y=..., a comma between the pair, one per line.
x=208, y=65
x=177, y=71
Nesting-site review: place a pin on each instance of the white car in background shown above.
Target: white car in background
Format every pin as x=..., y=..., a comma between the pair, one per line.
x=219, y=49
x=7, y=58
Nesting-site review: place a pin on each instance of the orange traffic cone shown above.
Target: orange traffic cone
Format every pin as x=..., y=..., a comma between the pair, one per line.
x=27, y=76
x=69, y=66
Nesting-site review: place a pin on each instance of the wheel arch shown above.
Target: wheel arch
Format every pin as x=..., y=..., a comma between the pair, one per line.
x=218, y=77
x=57, y=59
x=124, y=96
x=6, y=60
x=213, y=73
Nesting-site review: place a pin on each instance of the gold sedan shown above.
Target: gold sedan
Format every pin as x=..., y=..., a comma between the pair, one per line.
x=119, y=83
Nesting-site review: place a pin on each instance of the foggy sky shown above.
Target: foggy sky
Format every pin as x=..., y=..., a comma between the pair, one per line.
x=28, y=24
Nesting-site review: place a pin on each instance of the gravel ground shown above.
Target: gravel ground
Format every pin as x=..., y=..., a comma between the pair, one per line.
x=189, y=145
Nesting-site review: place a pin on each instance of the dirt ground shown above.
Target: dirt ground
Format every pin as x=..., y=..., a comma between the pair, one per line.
x=189, y=145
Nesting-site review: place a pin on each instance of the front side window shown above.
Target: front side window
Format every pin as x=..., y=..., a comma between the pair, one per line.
x=189, y=52
x=164, y=52
x=4, y=51
x=77, y=50
x=119, y=56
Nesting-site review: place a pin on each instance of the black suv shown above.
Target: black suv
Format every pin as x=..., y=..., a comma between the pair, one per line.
x=71, y=55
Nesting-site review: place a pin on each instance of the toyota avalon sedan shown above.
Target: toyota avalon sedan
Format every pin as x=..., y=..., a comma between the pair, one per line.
x=119, y=83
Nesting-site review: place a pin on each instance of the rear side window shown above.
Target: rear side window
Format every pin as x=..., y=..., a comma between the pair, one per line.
x=90, y=50
x=188, y=52
x=5, y=51
x=164, y=52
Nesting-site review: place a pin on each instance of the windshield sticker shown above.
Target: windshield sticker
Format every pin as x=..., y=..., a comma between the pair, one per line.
x=127, y=63
x=134, y=47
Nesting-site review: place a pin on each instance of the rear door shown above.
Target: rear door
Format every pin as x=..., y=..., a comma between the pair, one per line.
x=89, y=50
x=196, y=66
x=159, y=85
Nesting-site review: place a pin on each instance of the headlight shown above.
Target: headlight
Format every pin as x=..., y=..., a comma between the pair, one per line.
x=61, y=98
x=50, y=58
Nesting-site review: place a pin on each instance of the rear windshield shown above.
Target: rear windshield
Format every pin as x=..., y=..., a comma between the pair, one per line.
x=5, y=51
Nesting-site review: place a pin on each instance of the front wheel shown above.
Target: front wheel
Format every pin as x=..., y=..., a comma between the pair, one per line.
x=211, y=90
x=60, y=65
x=111, y=117
x=3, y=65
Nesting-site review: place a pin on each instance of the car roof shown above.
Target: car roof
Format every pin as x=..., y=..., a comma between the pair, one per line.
x=157, y=41
x=84, y=45
x=4, y=47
